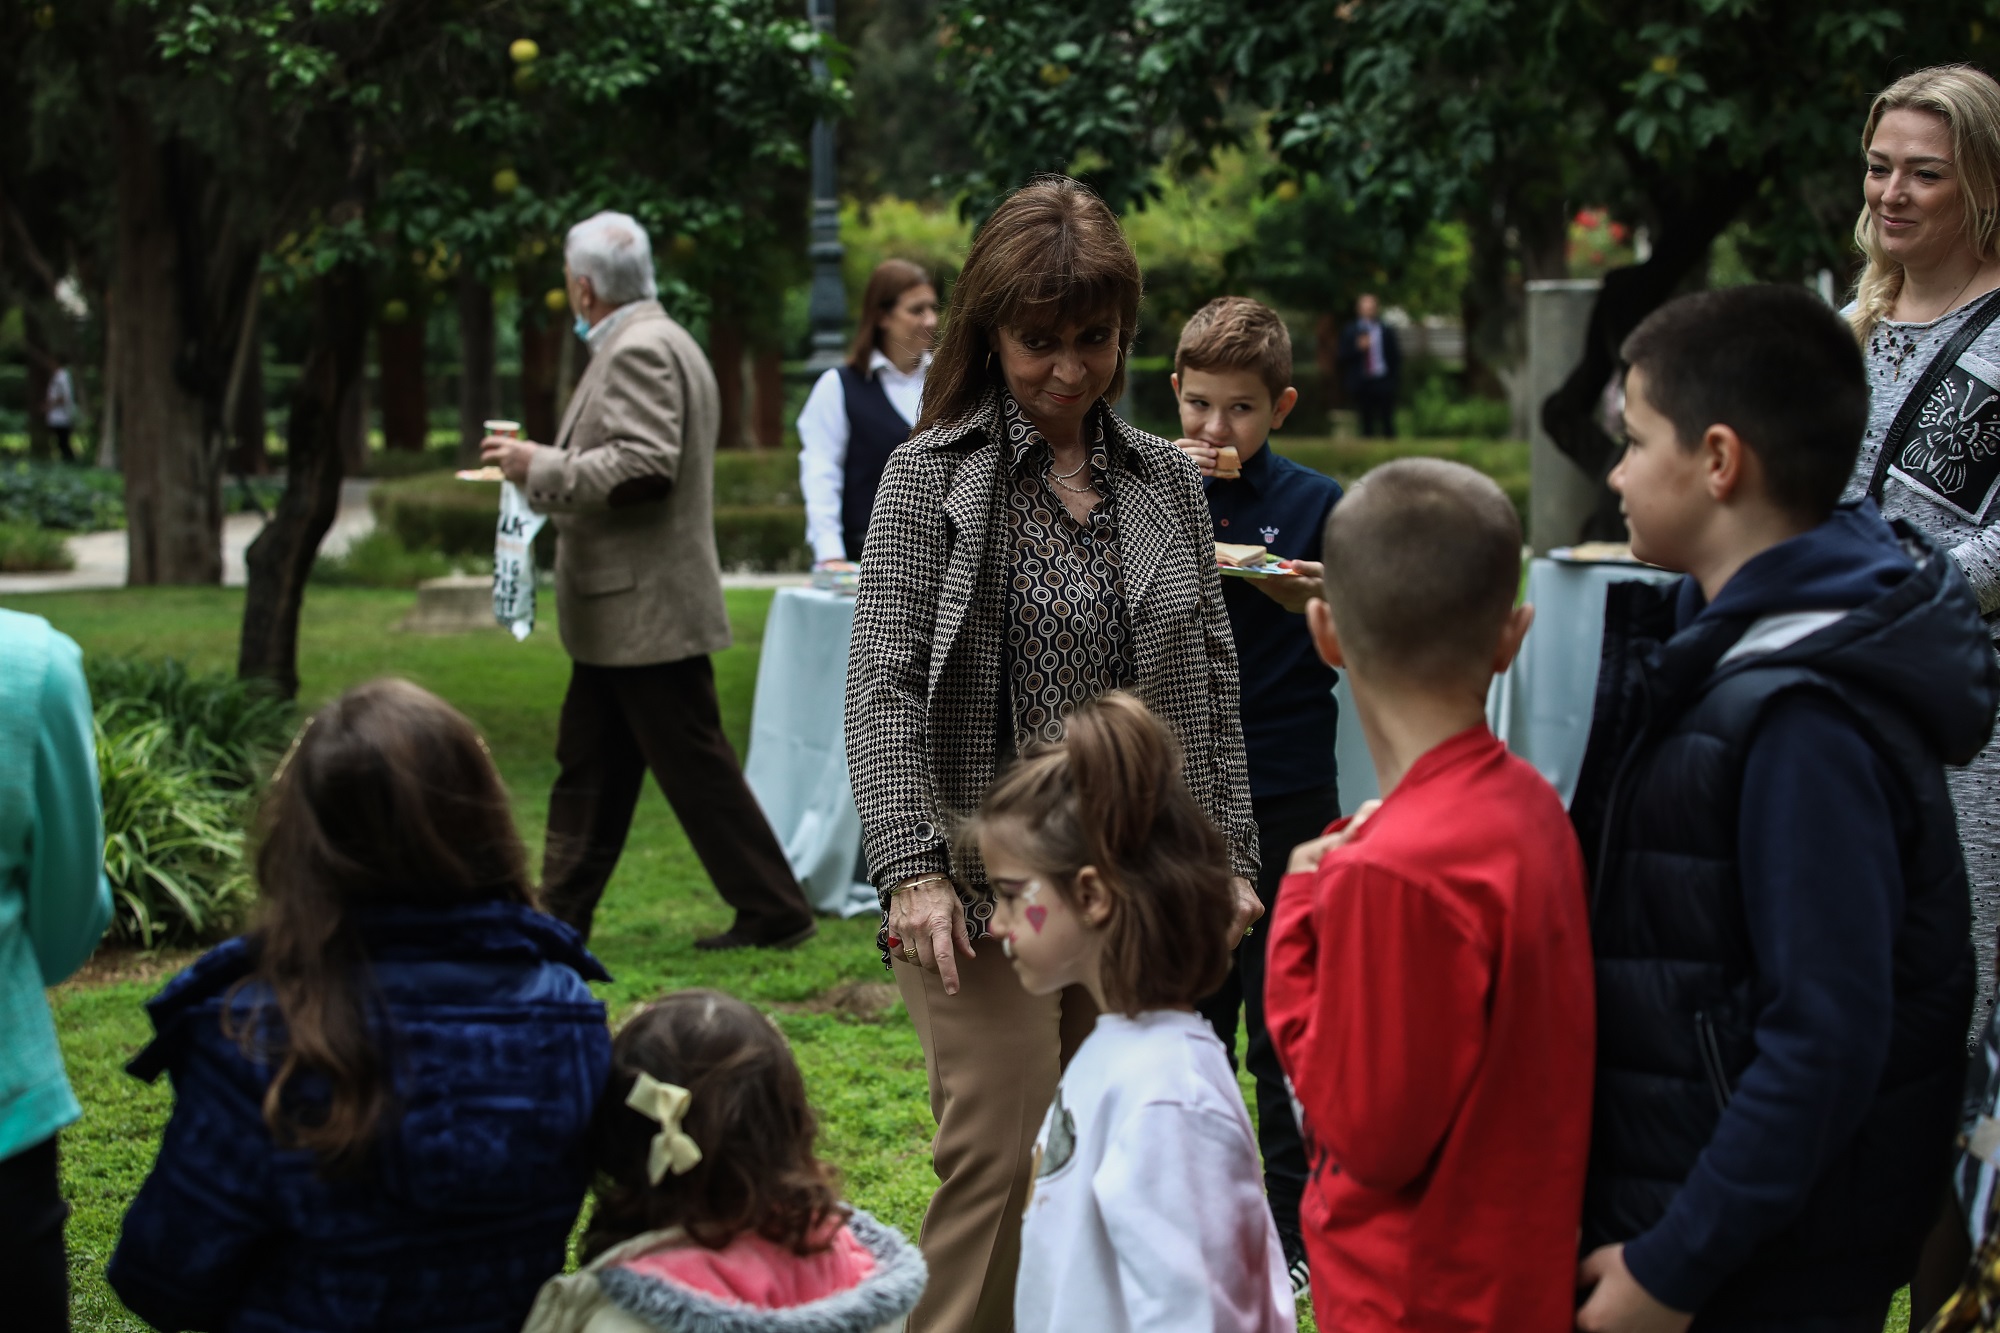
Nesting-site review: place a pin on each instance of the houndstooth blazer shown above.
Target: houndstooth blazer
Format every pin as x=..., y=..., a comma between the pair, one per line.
x=924, y=666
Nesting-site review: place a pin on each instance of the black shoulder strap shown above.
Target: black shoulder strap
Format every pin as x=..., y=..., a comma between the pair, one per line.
x=1941, y=364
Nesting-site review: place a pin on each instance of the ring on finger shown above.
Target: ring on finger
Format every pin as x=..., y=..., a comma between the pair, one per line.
x=910, y=952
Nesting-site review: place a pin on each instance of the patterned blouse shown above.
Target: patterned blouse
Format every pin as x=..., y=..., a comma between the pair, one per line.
x=1068, y=638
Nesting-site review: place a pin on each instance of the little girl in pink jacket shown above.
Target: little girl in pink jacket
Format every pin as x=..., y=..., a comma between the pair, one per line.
x=712, y=1211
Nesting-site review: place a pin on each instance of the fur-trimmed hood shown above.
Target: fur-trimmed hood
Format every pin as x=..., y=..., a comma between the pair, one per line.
x=611, y=1297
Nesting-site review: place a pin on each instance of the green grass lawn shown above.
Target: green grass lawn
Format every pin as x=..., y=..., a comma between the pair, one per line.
x=860, y=1058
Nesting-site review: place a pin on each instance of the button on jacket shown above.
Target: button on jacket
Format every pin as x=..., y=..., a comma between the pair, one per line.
x=629, y=482
x=924, y=675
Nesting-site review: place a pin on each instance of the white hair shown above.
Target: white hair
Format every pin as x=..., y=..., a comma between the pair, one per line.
x=611, y=250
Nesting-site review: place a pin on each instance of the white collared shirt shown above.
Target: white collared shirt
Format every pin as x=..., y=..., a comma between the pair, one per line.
x=823, y=436
x=604, y=328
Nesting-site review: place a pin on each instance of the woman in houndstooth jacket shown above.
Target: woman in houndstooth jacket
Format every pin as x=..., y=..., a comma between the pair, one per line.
x=1028, y=550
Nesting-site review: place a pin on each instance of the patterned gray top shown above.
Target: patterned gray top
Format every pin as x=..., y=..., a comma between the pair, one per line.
x=1068, y=637
x=1946, y=483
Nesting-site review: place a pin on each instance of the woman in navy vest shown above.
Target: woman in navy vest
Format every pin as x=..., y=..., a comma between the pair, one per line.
x=860, y=411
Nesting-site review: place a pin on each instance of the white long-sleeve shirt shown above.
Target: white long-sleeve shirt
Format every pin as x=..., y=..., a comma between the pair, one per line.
x=823, y=436
x=1148, y=1210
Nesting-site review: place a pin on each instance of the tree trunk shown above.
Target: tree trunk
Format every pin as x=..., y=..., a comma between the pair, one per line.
x=1688, y=227
x=541, y=369
x=477, y=391
x=725, y=352
x=354, y=421
x=767, y=401
x=281, y=558
x=41, y=441
x=399, y=350
x=249, y=453
x=173, y=478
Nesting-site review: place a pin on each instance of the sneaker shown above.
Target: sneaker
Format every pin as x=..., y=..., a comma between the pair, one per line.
x=1297, y=1269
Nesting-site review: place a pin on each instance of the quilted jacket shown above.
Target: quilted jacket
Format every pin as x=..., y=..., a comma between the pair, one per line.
x=924, y=671
x=497, y=1053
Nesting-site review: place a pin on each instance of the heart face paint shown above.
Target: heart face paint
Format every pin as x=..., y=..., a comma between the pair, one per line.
x=1037, y=917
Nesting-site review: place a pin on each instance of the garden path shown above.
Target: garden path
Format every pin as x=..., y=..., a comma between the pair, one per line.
x=101, y=556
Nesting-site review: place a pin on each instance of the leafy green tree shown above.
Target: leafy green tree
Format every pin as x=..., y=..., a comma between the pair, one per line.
x=312, y=145
x=1683, y=115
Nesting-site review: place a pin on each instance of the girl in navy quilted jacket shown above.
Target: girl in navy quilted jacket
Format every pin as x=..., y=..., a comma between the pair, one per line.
x=713, y=1213
x=382, y=1094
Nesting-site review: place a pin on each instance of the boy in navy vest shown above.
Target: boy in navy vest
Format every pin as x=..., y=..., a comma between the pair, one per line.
x=1779, y=906
x=1232, y=379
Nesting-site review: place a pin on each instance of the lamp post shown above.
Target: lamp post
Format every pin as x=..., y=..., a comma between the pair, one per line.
x=827, y=308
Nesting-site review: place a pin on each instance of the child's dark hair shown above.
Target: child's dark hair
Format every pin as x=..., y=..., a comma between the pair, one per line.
x=387, y=797
x=1777, y=366
x=1109, y=795
x=746, y=1111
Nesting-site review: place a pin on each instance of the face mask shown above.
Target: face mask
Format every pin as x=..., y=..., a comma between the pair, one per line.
x=582, y=328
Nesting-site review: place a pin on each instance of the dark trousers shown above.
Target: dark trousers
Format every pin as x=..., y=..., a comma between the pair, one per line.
x=1376, y=401
x=61, y=435
x=618, y=722
x=34, y=1271
x=1283, y=822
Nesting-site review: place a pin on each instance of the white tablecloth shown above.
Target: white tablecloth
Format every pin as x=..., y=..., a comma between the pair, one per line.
x=797, y=764
x=1542, y=706
x=798, y=752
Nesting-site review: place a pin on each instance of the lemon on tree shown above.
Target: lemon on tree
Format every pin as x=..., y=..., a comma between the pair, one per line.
x=524, y=50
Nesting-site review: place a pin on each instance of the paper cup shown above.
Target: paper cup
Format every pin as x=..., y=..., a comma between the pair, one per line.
x=511, y=429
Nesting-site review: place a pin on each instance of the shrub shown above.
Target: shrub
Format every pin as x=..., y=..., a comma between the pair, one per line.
x=215, y=724
x=759, y=520
x=48, y=495
x=378, y=559
x=762, y=537
x=173, y=837
x=437, y=512
x=26, y=548
x=1506, y=461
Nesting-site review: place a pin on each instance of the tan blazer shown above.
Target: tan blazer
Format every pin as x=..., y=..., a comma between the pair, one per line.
x=629, y=483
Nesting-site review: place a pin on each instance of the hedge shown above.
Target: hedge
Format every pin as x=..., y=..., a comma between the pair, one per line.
x=759, y=523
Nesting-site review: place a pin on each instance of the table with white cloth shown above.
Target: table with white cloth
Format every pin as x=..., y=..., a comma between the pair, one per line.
x=797, y=764
x=798, y=748
x=1541, y=707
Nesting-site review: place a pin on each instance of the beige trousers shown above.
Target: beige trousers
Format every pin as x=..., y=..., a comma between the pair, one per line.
x=993, y=1053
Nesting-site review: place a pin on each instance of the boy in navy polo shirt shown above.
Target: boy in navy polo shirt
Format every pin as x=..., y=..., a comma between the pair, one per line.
x=1232, y=378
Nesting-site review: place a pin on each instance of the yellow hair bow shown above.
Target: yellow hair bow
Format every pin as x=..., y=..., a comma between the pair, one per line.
x=666, y=1105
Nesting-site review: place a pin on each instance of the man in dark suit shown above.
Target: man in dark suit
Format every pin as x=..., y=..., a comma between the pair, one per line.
x=1371, y=366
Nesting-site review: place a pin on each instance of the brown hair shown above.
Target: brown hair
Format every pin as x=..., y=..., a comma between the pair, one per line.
x=886, y=285
x=1053, y=252
x=1423, y=558
x=388, y=796
x=1237, y=333
x=746, y=1111
x=1109, y=795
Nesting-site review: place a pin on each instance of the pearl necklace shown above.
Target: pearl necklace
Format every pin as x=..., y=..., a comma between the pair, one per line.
x=1062, y=478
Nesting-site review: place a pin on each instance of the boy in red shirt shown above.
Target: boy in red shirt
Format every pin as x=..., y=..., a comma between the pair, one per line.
x=1429, y=985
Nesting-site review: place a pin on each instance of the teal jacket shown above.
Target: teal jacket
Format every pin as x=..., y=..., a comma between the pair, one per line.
x=54, y=901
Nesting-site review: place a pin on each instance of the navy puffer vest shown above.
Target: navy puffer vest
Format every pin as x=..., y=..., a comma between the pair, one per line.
x=1657, y=811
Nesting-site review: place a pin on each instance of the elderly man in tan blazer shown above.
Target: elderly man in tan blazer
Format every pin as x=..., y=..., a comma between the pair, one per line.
x=629, y=483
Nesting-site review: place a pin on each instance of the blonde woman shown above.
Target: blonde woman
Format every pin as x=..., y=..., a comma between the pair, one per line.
x=1933, y=264
x=1928, y=317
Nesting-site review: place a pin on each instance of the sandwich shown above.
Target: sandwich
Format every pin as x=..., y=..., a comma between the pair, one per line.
x=1232, y=556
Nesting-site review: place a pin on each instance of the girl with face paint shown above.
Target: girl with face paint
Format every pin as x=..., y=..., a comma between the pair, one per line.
x=1148, y=1195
